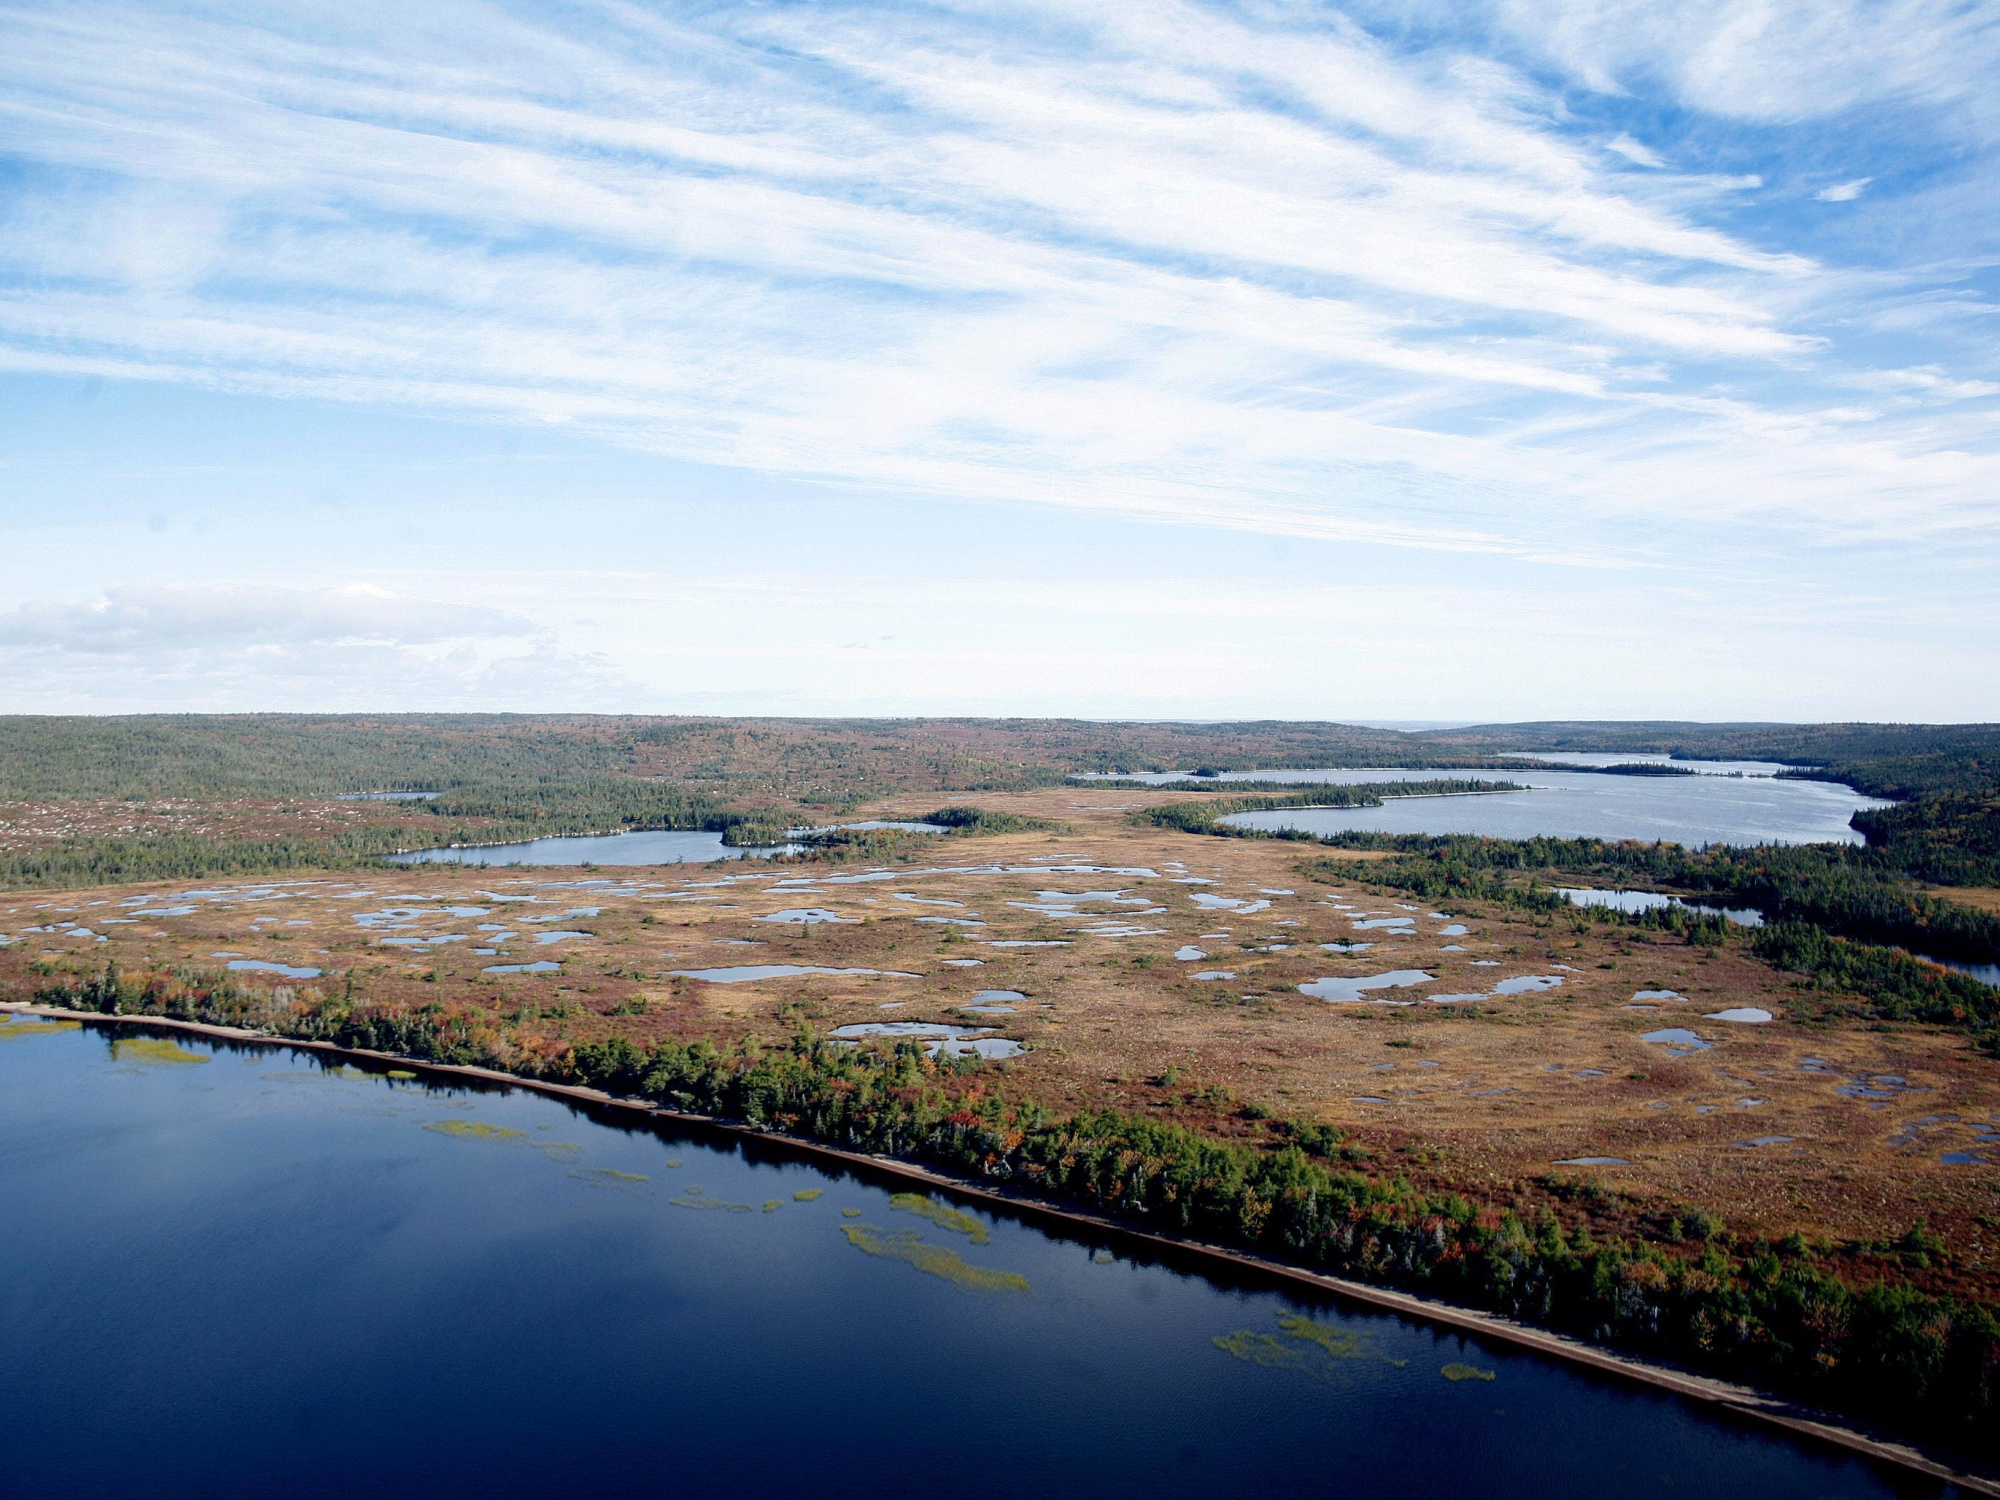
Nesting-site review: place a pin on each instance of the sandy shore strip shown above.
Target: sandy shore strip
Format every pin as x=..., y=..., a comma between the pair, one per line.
x=1742, y=1401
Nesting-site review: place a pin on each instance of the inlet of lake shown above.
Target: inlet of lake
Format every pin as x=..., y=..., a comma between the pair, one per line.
x=1693, y=811
x=241, y=1270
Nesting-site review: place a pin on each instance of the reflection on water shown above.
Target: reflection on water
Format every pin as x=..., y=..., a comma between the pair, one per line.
x=1697, y=767
x=289, y=971
x=1984, y=973
x=1689, y=810
x=218, y=1284
x=1739, y=916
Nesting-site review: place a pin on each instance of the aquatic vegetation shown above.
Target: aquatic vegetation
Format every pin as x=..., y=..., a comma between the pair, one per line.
x=673, y=1161
x=695, y=1198
x=1262, y=1350
x=850, y=1213
x=941, y=1214
x=807, y=1195
x=148, y=1051
x=1456, y=1372
x=772, y=1205
x=1308, y=1347
x=401, y=1075
x=562, y=1151
x=611, y=1177
x=909, y=1247
x=1339, y=1343
x=20, y=1029
x=475, y=1130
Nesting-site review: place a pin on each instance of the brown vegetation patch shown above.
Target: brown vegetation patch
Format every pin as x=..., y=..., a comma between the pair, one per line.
x=1485, y=1097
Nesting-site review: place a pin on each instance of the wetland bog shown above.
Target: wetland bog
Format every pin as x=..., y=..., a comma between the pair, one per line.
x=1516, y=1071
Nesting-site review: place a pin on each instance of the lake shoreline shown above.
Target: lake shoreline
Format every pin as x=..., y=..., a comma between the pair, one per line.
x=1741, y=1401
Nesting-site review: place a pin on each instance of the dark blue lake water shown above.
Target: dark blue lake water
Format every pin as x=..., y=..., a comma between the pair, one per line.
x=231, y=1271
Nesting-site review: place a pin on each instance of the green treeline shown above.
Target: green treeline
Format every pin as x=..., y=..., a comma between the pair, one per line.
x=1892, y=985
x=1843, y=888
x=317, y=755
x=290, y=755
x=1840, y=923
x=1201, y=817
x=174, y=856
x=1949, y=839
x=491, y=812
x=1777, y=1312
x=846, y=844
x=978, y=820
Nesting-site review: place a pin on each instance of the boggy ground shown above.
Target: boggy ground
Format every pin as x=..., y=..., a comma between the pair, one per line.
x=1827, y=1126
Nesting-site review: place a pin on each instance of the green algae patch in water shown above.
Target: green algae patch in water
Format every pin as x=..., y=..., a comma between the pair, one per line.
x=772, y=1205
x=850, y=1213
x=1455, y=1372
x=21, y=1029
x=611, y=1177
x=476, y=1130
x=695, y=1198
x=914, y=1251
x=673, y=1161
x=1262, y=1350
x=1307, y=1346
x=401, y=1075
x=562, y=1151
x=152, y=1051
x=807, y=1195
x=941, y=1214
x=1339, y=1343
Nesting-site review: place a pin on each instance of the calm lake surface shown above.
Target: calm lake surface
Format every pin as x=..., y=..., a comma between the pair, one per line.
x=1688, y=810
x=235, y=1271
x=662, y=846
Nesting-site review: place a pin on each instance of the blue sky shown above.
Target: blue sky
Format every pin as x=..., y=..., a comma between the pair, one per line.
x=1407, y=361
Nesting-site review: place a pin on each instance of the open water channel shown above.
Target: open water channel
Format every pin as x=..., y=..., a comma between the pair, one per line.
x=236, y=1270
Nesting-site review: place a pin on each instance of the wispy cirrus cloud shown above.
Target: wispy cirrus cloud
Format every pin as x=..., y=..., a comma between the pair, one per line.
x=1243, y=267
x=261, y=646
x=170, y=618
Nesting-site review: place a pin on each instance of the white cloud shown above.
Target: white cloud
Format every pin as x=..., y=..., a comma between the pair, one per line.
x=1779, y=60
x=1931, y=383
x=237, y=648
x=147, y=620
x=1159, y=259
x=1843, y=192
x=1633, y=151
